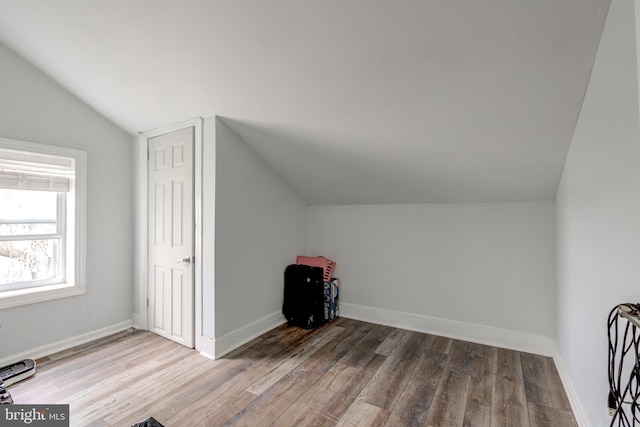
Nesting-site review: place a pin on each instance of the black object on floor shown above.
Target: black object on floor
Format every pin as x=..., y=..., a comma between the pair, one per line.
x=303, y=304
x=149, y=422
x=11, y=374
x=5, y=396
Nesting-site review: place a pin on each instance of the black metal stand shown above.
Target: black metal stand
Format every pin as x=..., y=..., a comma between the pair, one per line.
x=624, y=367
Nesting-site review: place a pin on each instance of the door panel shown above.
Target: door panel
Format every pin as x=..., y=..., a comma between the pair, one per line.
x=171, y=222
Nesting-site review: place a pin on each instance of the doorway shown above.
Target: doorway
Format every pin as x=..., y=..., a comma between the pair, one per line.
x=170, y=235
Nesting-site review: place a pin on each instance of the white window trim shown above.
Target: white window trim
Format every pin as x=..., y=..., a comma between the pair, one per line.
x=75, y=283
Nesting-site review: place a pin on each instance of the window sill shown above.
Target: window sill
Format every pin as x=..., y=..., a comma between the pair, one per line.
x=40, y=294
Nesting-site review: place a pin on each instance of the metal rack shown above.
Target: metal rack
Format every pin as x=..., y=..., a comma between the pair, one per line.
x=624, y=365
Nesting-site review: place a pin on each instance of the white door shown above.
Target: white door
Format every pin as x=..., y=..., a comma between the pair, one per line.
x=171, y=229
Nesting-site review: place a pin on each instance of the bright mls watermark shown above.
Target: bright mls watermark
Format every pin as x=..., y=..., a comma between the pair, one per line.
x=34, y=415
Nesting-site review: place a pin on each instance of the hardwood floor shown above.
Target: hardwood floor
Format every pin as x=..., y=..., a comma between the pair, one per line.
x=347, y=373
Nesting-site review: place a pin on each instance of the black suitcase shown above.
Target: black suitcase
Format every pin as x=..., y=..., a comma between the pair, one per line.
x=303, y=304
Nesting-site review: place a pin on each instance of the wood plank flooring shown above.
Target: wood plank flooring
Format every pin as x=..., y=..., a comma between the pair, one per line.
x=347, y=373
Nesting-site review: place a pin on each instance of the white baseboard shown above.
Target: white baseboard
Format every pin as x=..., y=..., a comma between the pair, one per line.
x=207, y=347
x=65, y=344
x=497, y=337
x=504, y=338
x=578, y=410
x=234, y=339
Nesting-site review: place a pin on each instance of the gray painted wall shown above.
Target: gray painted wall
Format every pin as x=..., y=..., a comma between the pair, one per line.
x=261, y=225
x=490, y=264
x=598, y=213
x=34, y=108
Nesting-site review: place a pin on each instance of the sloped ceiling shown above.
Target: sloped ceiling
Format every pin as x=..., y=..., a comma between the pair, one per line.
x=348, y=101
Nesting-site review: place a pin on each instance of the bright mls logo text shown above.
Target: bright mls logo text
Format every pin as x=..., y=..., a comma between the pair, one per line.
x=31, y=415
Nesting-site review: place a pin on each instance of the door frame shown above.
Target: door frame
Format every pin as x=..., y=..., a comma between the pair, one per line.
x=140, y=310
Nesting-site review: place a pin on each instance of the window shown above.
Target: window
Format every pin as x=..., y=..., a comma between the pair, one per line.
x=42, y=222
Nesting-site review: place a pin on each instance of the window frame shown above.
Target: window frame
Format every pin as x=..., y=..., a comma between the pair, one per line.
x=74, y=244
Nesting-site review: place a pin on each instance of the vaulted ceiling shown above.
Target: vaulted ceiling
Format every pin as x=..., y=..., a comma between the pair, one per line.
x=348, y=101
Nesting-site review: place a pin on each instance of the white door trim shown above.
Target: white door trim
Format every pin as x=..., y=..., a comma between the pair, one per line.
x=140, y=315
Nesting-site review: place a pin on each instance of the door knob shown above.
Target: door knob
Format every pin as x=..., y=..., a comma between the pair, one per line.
x=185, y=260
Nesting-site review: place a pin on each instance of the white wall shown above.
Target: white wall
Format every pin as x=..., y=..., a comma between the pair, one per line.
x=34, y=108
x=260, y=228
x=598, y=214
x=490, y=264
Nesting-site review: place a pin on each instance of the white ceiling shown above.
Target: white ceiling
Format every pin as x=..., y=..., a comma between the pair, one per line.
x=349, y=101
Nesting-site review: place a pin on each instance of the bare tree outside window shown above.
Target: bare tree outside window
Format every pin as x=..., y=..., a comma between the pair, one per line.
x=28, y=236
